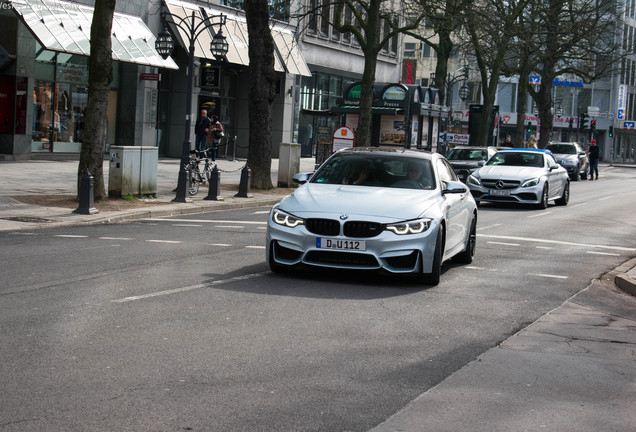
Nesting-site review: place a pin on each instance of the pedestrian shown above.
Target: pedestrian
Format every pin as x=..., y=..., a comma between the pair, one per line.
x=532, y=142
x=508, y=141
x=593, y=155
x=201, y=128
x=216, y=133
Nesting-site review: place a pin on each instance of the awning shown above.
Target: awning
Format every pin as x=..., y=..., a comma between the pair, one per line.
x=287, y=56
x=66, y=27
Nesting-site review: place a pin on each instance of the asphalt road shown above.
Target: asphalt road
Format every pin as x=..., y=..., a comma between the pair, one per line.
x=177, y=324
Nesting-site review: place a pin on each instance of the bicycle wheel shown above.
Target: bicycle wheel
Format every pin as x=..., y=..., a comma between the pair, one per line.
x=193, y=179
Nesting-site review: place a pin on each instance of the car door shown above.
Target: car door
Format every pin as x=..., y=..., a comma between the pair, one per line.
x=455, y=208
x=557, y=176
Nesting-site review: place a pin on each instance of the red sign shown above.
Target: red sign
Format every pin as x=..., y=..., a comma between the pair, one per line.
x=150, y=77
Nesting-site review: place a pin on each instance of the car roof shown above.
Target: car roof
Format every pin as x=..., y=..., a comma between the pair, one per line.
x=399, y=152
x=561, y=142
x=533, y=150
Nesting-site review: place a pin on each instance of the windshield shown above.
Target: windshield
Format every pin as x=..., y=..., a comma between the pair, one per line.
x=468, y=154
x=376, y=170
x=561, y=148
x=527, y=159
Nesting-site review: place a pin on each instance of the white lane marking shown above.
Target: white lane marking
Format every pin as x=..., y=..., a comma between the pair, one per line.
x=165, y=241
x=71, y=236
x=187, y=225
x=115, y=238
x=254, y=247
x=220, y=244
x=558, y=242
x=23, y=233
x=480, y=268
x=488, y=227
x=544, y=213
x=188, y=288
x=603, y=253
x=547, y=275
x=205, y=221
x=261, y=212
x=578, y=205
x=503, y=244
x=606, y=198
x=230, y=226
x=544, y=247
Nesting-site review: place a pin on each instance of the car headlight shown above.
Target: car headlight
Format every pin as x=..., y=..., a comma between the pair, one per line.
x=531, y=182
x=286, y=219
x=473, y=180
x=410, y=227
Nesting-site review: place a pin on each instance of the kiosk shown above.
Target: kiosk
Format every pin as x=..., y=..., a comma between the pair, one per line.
x=406, y=116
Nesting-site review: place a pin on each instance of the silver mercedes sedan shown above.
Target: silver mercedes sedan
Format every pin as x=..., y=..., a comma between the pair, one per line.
x=398, y=211
x=524, y=176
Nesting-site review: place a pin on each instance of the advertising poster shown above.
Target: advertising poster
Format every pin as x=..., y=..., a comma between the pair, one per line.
x=392, y=130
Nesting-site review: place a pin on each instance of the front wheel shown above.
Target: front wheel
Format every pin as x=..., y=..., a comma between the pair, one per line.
x=543, y=203
x=466, y=256
x=193, y=179
x=565, y=198
x=433, y=277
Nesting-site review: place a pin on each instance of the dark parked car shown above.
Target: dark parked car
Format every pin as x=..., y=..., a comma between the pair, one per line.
x=570, y=156
x=466, y=160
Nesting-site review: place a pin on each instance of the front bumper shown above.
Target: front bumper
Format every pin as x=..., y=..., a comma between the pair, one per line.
x=521, y=195
x=411, y=253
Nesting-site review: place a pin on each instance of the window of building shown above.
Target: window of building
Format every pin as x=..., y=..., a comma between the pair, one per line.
x=60, y=98
x=278, y=9
x=325, y=18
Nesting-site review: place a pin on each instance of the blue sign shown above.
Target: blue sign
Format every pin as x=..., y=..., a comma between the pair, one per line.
x=629, y=125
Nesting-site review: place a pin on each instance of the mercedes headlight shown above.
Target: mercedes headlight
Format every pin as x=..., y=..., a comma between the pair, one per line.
x=410, y=227
x=286, y=219
x=473, y=180
x=531, y=182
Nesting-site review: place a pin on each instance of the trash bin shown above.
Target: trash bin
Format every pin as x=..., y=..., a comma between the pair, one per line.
x=132, y=170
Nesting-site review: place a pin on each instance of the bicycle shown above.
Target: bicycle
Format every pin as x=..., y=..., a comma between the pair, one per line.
x=196, y=176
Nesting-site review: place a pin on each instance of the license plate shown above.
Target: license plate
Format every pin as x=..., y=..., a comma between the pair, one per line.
x=498, y=192
x=336, y=244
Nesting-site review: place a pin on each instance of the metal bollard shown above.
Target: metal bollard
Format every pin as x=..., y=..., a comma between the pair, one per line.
x=244, y=186
x=86, y=195
x=214, y=186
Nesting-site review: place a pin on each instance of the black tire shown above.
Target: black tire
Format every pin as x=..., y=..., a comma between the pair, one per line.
x=543, y=203
x=575, y=177
x=433, y=277
x=584, y=175
x=466, y=256
x=193, y=188
x=565, y=198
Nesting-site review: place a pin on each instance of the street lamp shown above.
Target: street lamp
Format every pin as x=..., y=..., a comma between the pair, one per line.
x=193, y=26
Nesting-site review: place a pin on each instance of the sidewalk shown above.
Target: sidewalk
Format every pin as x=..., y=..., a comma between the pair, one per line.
x=35, y=178
x=572, y=370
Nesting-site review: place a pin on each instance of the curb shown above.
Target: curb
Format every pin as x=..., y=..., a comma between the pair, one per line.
x=623, y=277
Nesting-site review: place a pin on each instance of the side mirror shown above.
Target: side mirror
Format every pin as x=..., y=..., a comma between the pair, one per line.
x=453, y=187
x=481, y=163
x=553, y=167
x=301, y=178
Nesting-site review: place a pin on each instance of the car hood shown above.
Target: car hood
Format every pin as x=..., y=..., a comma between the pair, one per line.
x=565, y=156
x=509, y=172
x=464, y=163
x=383, y=204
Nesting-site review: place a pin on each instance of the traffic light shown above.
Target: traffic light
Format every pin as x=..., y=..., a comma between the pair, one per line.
x=611, y=131
x=583, y=121
x=593, y=125
x=529, y=127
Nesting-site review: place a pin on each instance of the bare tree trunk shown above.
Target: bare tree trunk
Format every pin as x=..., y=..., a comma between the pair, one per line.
x=262, y=92
x=100, y=77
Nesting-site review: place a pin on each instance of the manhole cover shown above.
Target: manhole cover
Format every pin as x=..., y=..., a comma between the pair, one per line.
x=27, y=219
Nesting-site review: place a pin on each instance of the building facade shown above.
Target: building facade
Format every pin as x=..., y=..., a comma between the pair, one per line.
x=44, y=52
